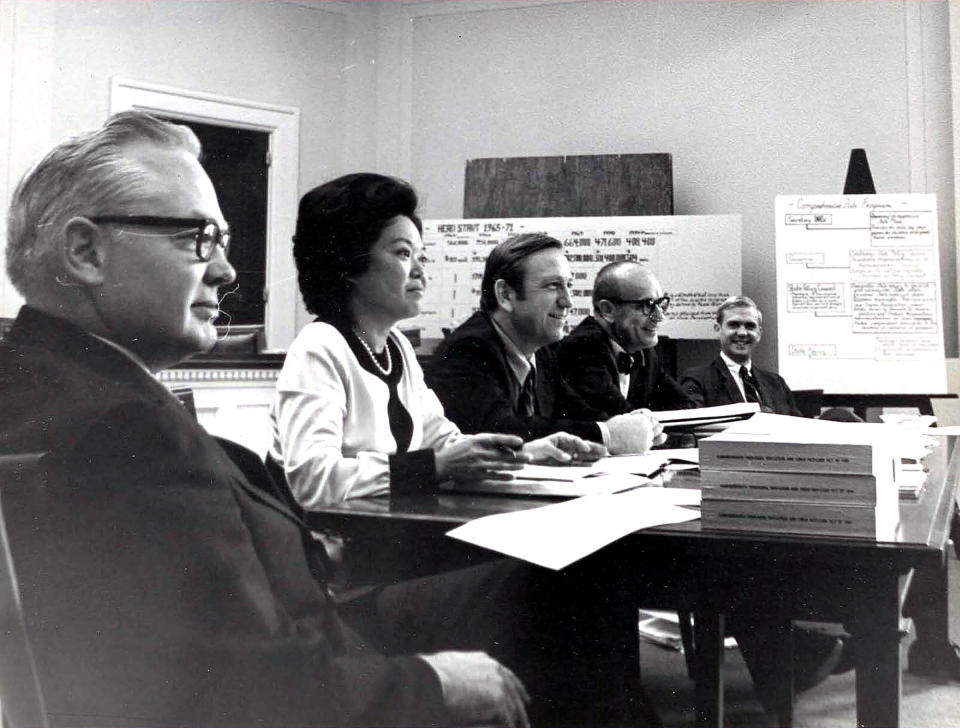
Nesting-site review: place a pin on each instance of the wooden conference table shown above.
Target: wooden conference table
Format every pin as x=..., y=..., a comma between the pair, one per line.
x=856, y=582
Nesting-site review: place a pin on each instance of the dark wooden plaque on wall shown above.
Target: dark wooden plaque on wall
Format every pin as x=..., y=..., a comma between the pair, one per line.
x=593, y=185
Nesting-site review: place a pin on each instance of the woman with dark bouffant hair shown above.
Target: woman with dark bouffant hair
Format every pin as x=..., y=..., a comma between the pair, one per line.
x=353, y=416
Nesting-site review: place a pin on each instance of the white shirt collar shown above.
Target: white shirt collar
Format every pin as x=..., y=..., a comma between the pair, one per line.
x=735, y=366
x=734, y=369
x=519, y=364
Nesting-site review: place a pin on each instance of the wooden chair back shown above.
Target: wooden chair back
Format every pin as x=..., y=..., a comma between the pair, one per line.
x=20, y=695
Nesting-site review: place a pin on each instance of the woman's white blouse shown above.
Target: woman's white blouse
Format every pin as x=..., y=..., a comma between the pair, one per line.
x=331, y=432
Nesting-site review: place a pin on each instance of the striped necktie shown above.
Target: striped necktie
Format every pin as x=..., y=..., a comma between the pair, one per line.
x=527, y=401
x=750, y=389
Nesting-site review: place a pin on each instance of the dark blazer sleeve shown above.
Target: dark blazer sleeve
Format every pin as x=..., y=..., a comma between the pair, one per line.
x=696, y=385
x=776, y=389
x=471, y=379
x=670, y=395
x=185, y=596
x=664, y=392
x=587, y=365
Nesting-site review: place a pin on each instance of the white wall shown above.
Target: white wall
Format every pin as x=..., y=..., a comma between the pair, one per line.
x=316, y=56
x=752, y=98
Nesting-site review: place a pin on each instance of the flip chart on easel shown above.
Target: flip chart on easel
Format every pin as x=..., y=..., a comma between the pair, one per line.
x=858, y=293
x=696, y=258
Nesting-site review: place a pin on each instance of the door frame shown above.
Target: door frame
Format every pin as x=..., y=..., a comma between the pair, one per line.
x=282, y=125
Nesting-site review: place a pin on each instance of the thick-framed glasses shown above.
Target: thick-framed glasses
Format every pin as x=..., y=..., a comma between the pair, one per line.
x=207, y=234
x=646, y=306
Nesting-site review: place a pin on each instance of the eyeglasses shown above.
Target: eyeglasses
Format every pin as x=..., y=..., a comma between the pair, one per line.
x=646, y=305
x=208, y=234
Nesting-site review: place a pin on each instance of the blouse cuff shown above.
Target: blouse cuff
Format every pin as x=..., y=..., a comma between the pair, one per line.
x=413, y=472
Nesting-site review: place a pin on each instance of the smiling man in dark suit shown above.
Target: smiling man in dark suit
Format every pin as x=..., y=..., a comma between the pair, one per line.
x=610, y=358
x=498, y=370
x=732, y=376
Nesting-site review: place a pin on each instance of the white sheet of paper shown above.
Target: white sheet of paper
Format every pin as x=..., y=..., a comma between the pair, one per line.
x=557, y=535
x=948, y=430
x=616, y=465
x=609, y=483
x=564, y=473
x=680, y=455
x=613, y=465
x=908, y=420
x=631, y=464
x=679, y=496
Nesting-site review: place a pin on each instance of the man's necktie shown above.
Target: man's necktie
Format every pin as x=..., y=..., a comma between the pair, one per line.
x=750, y=389
x=527, y=402
x=624, y=363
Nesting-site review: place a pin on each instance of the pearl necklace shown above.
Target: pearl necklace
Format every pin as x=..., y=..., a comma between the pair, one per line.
x=385, y=371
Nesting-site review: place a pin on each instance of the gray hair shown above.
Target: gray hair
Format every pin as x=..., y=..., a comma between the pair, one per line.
x=739, y=302
x=87, y=175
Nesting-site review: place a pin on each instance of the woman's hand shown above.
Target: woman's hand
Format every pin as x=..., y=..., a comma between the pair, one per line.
x=484, y=456
x=561, y=447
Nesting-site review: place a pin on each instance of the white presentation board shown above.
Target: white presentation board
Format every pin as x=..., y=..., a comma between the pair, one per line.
x=696, y=258
x=858, y=293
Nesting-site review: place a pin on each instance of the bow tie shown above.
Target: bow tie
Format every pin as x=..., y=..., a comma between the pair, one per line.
x=624, y=363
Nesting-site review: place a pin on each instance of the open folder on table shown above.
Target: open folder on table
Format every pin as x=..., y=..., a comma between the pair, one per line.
x=606, y=475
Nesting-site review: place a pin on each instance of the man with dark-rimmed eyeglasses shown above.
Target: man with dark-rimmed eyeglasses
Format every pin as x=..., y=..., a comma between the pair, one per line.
x=610, y=358
x=205, y=233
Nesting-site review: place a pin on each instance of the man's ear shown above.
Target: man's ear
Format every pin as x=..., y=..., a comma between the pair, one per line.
x=716, y=327
x=505, y=294
x=83, y=252
x=605, y=309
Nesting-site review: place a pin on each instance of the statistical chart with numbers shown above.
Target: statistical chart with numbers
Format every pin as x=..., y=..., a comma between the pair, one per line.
x=696, y=258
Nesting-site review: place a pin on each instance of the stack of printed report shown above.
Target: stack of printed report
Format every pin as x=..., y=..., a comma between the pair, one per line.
x=780, y=474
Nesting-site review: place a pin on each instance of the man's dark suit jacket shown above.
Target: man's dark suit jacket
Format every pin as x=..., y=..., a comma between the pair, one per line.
x=711, y=384
x=588, y=363
x=471, y=376
x=159, y=586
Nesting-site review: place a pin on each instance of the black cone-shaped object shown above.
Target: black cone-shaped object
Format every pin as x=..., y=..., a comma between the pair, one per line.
x=859, y=180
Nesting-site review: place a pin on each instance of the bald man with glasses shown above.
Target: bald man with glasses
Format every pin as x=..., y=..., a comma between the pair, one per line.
x=610, y=358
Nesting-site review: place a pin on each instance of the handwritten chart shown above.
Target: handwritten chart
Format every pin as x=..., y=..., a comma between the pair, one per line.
x=696, y=258
x=858, y=293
